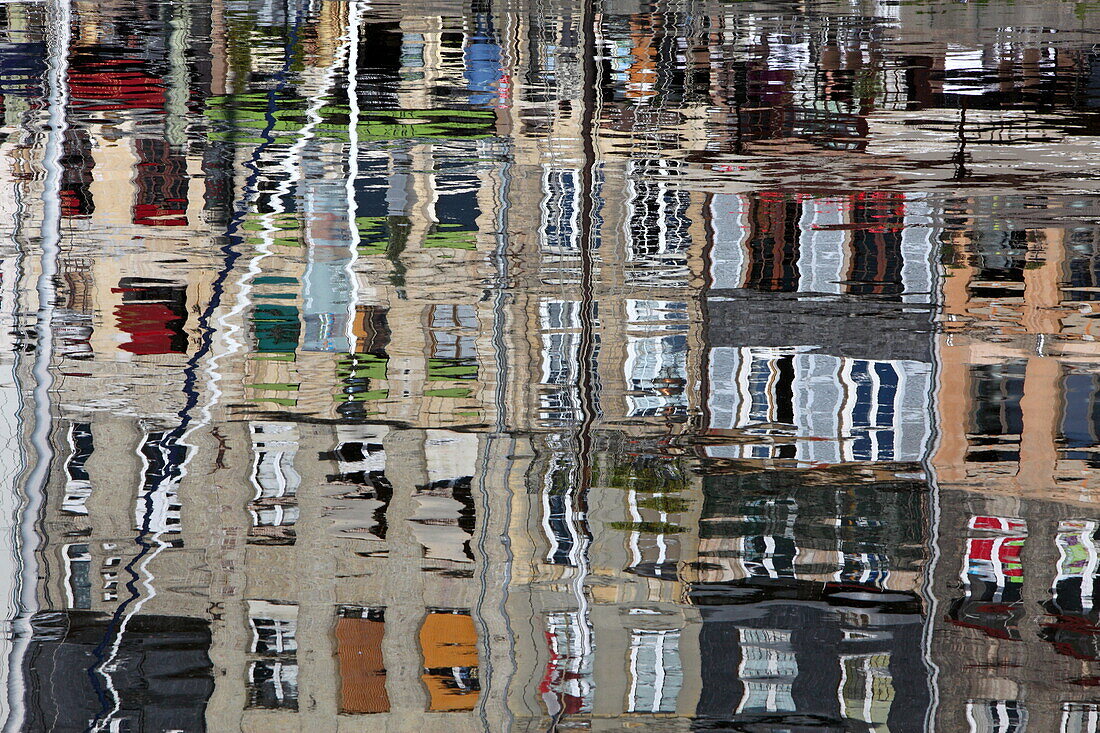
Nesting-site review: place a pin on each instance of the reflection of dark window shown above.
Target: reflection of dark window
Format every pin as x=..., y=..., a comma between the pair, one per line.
x=379, y=57
x=80, y=584
x=1084, y=264
x=876, y=246
x=80, y=438
x=1000, y=258
x=153, y=312
x=161, y=185
x=1080, y=431
x=997, y=390
x=773, y=246
x=76, y=176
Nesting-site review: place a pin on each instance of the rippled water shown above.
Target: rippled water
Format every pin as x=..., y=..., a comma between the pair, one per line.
x=534, y=366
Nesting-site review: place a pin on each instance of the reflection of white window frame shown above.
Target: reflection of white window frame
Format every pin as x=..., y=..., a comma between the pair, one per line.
x=274, y=447
x=656, y=258
x=77, y=490
x=165, y=517
x=862, y=405
x=569, y=642
x=656, y=672
x=569, y=519
x=727, y=269
x=283, y=680
x=1080, y=717
x=649, y=358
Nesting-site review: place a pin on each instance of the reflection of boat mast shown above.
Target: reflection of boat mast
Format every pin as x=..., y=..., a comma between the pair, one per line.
x=959, y=157
x=58, y=38
x=105, y=654
x=587, y=375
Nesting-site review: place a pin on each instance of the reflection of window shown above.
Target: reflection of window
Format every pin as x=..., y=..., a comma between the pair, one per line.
x=658, y=226
x=768, y=670
x=274, y=505
x=997, y=419
x=78, y=486
x=559, y=517
x=158, y=505
x=560, y=212
x=769, y=556
x=1080, y=428
x=78, y=583
x=273, y=671
x=567, y=682
x=996, y=716
x=77, y=163
x=453, y=336
x=1080, y=717
x=992, y=577
x=656, y=674
x=359, y=633
x=773, y=246
x=866, y=688
x=1075, y=586
x=444, y=519
x=876, y=264
x=656, y=375
x=273, y=684
x=361, y=460
x=372, y=329
x=448, y=641
x=153, y=312
x=274, y=627
x=160, y=184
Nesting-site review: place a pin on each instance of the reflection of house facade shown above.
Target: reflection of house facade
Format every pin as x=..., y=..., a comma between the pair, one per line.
x=1016, y=469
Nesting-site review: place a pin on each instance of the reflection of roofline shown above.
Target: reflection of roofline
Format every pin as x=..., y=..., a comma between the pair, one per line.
x=754, y=594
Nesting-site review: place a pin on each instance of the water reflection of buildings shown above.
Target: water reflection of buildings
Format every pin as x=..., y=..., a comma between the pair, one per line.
x=384, y=513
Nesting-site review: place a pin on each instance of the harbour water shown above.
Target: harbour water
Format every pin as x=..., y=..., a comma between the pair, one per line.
x=526, y=366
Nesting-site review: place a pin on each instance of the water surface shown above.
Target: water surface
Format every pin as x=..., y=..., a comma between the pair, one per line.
x=541, y=366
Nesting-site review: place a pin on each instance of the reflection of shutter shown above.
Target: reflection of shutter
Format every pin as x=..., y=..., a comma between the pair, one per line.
x=372, y=329
x=448, y=641
x=153, y=312
x=362, y=672
x=276, y=328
